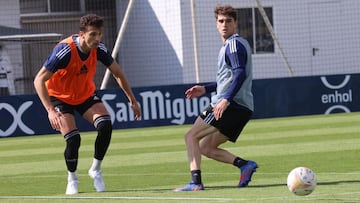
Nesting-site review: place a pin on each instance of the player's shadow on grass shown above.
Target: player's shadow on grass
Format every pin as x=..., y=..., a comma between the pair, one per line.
x=234, y=187
x=281, y=185
x=338, y=182
x=250, y=186
x=143, y=190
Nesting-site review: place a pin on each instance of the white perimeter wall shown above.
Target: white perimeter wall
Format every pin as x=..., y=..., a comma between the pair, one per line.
x=158, y=46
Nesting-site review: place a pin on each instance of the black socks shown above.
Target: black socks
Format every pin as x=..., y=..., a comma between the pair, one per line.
x=239, y=162
x=196, y=176
x=71, y=152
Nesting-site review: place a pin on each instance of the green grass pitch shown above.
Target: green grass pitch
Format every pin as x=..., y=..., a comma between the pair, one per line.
x=146, y=164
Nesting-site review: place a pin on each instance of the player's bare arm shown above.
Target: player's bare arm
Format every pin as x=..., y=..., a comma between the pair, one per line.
x=124, y=84
x=39, y=83
x=195, y=91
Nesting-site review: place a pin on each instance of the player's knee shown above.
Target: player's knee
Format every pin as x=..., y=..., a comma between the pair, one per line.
x=103, y=125
x=190, y=139
x=208, y=148
x=206, y=151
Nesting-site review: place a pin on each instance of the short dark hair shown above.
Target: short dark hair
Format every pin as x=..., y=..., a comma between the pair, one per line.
x=225, y=10
x=92, y=20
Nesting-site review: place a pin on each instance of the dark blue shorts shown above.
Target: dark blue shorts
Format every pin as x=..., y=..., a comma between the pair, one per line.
x=231, y=123
x=80, y=108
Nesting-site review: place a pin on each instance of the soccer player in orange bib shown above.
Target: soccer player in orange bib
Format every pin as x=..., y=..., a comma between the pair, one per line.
x=65, y=84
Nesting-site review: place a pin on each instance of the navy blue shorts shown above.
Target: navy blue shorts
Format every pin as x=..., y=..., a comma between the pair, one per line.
x=80, y=108
x=231, y=123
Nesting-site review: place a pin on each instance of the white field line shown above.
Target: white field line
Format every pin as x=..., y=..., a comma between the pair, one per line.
x=280, y=198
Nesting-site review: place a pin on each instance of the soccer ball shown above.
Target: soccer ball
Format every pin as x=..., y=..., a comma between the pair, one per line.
x=301, y=181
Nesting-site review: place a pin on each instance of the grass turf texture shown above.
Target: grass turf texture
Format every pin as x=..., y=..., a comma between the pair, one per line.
x=146, y=164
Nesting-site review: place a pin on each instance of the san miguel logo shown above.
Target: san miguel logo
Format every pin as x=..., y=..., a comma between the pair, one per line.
x=156, y=105
x=339, y=95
